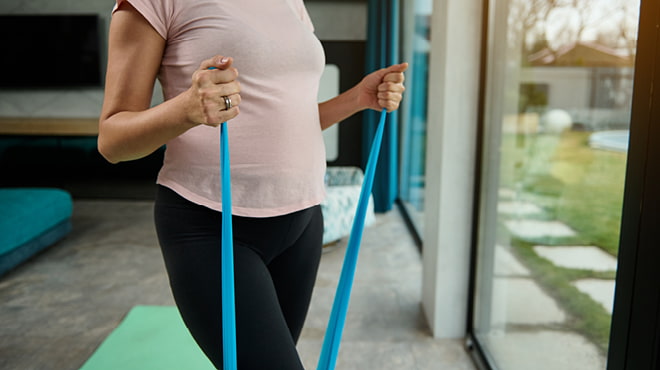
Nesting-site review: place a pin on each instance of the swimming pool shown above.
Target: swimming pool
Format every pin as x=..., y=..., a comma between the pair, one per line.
x=616, y=140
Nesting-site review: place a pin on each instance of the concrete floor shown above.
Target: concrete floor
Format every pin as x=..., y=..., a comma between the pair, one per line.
x=59, y=306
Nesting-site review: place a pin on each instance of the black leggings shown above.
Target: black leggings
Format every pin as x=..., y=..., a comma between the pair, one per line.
x=275, y=261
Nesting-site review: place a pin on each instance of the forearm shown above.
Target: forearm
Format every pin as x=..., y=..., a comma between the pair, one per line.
x=128, y=128
x=127, y=135
x=339, y=108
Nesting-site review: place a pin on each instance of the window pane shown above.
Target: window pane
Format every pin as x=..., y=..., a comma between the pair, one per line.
x=559, y=90
x=417, y=16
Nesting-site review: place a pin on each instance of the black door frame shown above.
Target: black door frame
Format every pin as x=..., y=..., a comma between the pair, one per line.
x=635, y=334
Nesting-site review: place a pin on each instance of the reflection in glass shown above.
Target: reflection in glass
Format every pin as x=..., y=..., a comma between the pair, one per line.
x=417, y=15
x=559, y=92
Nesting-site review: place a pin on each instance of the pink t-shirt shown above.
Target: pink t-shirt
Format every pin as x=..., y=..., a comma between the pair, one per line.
x=277, y=151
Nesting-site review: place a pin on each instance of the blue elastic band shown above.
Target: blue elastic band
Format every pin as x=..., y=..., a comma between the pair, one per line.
x=335, y=327
x=228, y=304
x=340, y=306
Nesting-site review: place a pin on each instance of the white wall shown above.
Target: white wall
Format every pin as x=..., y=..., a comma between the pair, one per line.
x=451, y=146
x=569, y=87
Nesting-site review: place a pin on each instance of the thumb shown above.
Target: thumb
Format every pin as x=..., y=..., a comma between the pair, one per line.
x=395, y=68
x=217, y=62
x=401, y=67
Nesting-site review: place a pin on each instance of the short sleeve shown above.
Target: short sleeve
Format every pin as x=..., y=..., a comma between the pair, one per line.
x=157, y=13
x=304, y=15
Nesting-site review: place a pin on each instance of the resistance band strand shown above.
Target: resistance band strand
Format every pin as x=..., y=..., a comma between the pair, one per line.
x=337, y=320
x=227, y=258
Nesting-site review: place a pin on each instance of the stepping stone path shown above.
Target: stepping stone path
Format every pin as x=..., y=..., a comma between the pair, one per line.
x=532, y=229
x=518, y=208
x=586, y=258
x=506, y=264
x=517, y=300
x=521, y=301
x=578, y=257
x=602, y=291
x=545, y=350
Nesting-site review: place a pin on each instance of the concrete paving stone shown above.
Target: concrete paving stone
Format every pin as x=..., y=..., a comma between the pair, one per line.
x=543, y=350
x=522, y=301
x=578, y=257
x=539, y=229
x=506, y=194
x=601, y=291
x=518, y=208
x=506, y=264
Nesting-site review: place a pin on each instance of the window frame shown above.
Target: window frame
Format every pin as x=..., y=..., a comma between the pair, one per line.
x=635, y=334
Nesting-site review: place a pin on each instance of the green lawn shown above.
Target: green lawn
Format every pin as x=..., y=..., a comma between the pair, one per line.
x=581, y=187
x=575, y=184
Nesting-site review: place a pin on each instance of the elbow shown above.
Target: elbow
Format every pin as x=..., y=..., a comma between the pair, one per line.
x=105, y=152
x=104, y=148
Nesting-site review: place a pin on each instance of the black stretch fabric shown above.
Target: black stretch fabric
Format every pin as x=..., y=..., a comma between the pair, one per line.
x=275, y=264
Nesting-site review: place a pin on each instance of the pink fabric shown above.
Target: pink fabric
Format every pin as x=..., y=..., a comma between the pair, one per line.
x=277, y=151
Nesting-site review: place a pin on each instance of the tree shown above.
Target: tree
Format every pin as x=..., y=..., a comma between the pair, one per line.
x=552, y=24
x=526, y=22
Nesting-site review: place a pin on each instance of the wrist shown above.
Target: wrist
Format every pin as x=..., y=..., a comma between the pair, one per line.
x=358, y=98
x=186, y=106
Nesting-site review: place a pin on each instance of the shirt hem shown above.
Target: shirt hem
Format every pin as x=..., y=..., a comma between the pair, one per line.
x=242, y=211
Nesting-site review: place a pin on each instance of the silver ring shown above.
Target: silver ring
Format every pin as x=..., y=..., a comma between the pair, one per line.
x=227, y=103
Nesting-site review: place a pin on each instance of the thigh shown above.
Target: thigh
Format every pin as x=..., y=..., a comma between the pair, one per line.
x=294, y=271
x=190, y=242
x=189, y=237
x=263, y=337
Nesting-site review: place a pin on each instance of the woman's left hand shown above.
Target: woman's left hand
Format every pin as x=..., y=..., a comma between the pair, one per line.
x=383, y=89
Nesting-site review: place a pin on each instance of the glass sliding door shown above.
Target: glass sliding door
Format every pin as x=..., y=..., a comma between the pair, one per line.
x=558, y=95
x=416, y=46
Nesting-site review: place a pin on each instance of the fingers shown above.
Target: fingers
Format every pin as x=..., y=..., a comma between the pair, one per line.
x=216, y=70
x=389, y=104
x=218, y=61
x=235, y=99
x=212, y=99
x=211, y=83
x=390, y=90
x=217, y=111
x=395, y=77
x=380, y=74
x=215, y=76
x=397, y=87
x=215, y=117
x=215, y=92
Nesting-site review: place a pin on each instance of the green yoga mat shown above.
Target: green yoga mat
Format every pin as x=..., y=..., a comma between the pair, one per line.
x=149, y=337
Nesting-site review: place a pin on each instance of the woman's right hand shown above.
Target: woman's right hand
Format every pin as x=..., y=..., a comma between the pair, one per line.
x=211, y=83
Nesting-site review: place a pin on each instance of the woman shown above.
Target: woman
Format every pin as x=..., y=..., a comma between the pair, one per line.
x=196, y=48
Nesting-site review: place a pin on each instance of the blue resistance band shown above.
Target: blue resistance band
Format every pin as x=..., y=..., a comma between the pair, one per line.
x=228, y=304
x=337, y=320
x=342, y=296
x=227, y=258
